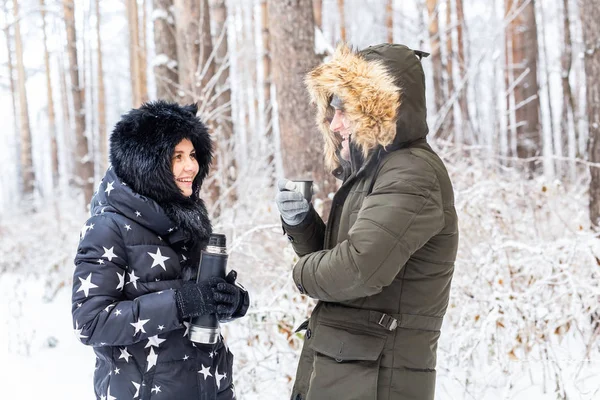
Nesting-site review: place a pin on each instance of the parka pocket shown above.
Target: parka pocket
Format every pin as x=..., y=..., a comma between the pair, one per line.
x=346, y=363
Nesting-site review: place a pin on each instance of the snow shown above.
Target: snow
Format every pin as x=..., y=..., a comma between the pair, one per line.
x=322, y=46
x=163, y=59
x=42, y=359
x=159, y=13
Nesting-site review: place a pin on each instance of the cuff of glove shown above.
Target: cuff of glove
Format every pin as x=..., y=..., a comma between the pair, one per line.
x=308, y=218
x=294, y=219
x=242, y=308
x=244, y=304
x=181, y=305
x=188, y=299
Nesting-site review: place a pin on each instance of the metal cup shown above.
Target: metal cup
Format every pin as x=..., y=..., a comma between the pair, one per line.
x=303, y=186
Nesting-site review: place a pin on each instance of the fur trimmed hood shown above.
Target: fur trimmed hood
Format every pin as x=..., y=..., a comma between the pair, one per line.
x=141, y=148
x=383, y=91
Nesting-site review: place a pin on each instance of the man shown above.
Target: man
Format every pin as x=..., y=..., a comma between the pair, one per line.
x=383, y=264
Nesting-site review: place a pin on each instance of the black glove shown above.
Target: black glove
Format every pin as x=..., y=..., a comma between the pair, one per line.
x=195, y=299
x=232, y=301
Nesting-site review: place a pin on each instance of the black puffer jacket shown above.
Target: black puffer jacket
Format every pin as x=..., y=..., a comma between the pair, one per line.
x=132, y=256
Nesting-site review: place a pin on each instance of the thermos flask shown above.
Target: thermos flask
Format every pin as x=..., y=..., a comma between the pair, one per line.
x=213, y=262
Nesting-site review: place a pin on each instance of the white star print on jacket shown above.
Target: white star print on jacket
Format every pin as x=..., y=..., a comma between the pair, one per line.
x=123, y=303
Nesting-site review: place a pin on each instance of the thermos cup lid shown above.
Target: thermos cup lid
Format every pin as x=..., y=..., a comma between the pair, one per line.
x=217, y=240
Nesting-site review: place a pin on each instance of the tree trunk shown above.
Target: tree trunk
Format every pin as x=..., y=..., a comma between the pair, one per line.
x=341, y=9
x=11, y=72
x=436, y=56
x=555, y=135
x=186, y=17
x=223, y=89
x=143, y=56
x=449, y=71
x=83, y=70
x=67, y=128
x=165, y=65
x=101, y=96
x=522, y=33
x=223, y=130
x=240, y=99
x=85, y=169
x=462, y=70
x=27, y=173
x=249, y=75
x=194, y=48
x=565, y=64
x=204, y=71
x=569, y=142
x=293, y=55
x=206, y=68
x=511, y=135
x=317, y=12
x=134, y=49
x=389, y=20
x=49, y=92
x=590, y=17
x=266, y=60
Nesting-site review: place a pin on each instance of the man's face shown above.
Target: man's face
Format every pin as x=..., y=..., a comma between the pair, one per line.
x=341, y=125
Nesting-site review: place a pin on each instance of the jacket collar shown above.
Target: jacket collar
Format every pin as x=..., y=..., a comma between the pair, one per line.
x=114, y=195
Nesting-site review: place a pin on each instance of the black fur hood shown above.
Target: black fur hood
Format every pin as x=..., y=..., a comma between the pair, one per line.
x=141, y=147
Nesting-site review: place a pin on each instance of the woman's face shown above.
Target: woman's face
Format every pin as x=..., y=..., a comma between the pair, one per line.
x=184, y=166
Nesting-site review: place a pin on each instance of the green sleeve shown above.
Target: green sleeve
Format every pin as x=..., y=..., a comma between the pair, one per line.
x=306, y=237
x=399, y=217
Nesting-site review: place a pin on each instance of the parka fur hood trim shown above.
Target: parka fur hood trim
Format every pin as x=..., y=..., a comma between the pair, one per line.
x=370, y=95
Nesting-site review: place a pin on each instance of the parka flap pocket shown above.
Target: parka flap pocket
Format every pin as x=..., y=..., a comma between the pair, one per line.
x=345, y=344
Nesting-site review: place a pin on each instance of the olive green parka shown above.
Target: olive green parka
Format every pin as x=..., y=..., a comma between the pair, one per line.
x=382, y=266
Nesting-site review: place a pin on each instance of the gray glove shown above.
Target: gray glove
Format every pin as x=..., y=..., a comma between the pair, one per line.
x=292, y=205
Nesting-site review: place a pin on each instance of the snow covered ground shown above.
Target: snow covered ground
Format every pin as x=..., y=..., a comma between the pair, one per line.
x=59, y=367
x=42, y=358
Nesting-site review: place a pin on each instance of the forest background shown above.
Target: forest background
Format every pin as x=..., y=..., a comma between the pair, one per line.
x=514, y=110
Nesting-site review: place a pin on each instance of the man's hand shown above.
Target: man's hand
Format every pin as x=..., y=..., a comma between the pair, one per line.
x=292, y=205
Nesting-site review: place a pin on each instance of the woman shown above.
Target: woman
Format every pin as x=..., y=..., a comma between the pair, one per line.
x=141, y=244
